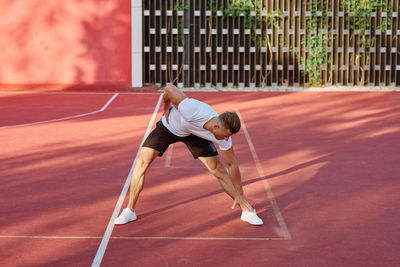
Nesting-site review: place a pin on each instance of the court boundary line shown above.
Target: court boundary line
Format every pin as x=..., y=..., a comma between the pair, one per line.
x=176, y=167
x=169, y=155
x=77, y=93
x=106, y=237
x=144, y=238
x=266, y=184
x=64, y=118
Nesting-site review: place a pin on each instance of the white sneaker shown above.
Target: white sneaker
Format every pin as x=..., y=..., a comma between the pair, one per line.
x=126, y=216
x=251, y=217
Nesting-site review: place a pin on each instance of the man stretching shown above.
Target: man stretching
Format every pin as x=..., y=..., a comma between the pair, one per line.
x=197, y=125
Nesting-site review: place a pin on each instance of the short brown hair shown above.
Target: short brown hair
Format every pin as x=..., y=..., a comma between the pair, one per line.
x=231, y=121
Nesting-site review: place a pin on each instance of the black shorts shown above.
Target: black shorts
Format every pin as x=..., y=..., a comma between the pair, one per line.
x=160, y=138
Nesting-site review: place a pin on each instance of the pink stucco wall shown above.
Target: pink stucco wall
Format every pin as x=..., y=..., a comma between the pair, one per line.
x=71, y=42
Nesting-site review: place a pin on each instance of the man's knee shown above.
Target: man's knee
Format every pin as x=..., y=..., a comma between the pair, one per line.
x=214, y=165
x=141, y=162
x=145, y=158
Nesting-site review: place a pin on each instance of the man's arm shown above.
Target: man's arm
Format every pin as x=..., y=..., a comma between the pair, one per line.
x=233, y=169
x=172, y=95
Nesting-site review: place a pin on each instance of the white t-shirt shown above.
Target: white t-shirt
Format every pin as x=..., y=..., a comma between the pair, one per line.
x=190, y=118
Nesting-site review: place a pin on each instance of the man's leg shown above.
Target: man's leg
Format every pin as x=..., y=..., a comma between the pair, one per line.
x=215, y=166
x=146, y=157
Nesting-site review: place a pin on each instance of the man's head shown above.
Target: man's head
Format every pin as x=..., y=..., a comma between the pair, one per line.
x=229, y=123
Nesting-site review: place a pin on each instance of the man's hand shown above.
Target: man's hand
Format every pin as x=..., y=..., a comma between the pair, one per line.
x=243, y=203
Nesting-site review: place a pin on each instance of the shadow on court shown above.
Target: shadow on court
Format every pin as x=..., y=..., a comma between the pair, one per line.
x=330, y=159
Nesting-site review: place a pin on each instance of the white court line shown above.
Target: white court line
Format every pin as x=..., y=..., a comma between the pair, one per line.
x=65, y=118
x=48, y=237
x=169, y=155
x=76, y=93
x=260, y=170
x=104, y=242
x=141, y=237
x=177, y=167
x=200, y=238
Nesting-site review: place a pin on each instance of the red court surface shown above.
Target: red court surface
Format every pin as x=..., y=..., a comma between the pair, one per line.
x=320, y=168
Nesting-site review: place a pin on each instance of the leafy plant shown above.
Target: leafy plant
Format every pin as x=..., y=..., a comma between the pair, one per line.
x=212, y=6
x=316, y=41
x=253, y=19
x=358, y=15
x=177, y=6
x=180, y=6
x=316, y=58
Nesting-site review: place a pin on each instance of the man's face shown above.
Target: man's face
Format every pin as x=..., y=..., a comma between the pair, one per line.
x=221, y=133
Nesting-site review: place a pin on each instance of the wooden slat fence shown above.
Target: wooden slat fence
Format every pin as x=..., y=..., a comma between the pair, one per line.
x=197, y=43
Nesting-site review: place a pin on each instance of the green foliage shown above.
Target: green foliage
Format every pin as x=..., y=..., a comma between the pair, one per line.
x=273, y=17
x=316, y=58
x=180, y=6
x=359, y=13
x=212, y=6
x=316, y=41
x=252, y=16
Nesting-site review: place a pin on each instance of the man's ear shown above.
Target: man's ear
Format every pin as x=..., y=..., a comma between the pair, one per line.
x=214, y=128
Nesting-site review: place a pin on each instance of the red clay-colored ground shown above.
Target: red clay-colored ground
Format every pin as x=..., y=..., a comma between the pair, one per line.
x=330, y=160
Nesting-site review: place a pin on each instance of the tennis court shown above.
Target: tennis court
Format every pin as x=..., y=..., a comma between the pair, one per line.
x=321, y=169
